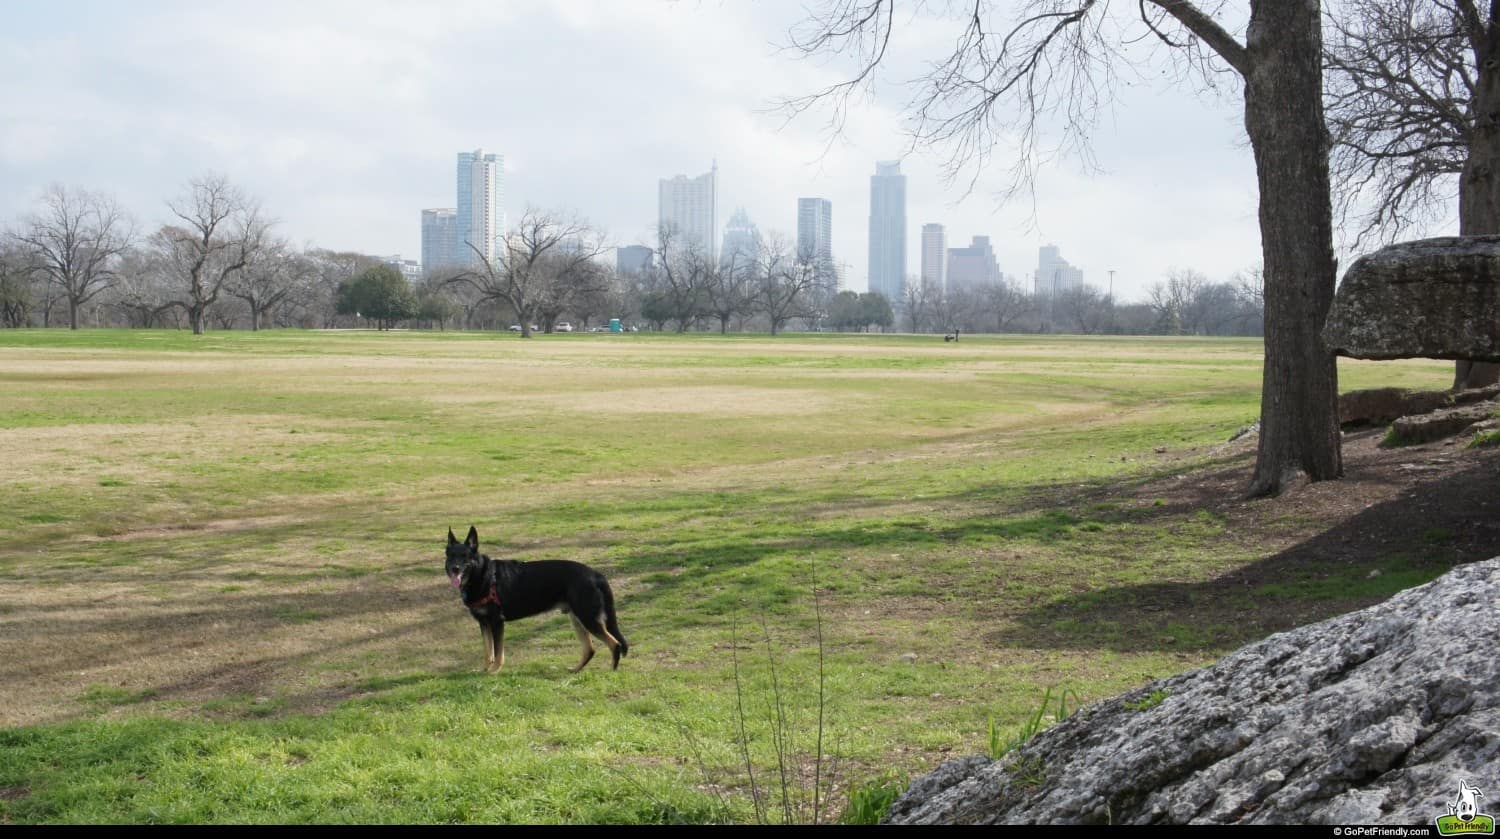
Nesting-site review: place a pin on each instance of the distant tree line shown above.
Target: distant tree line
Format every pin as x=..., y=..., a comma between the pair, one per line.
x=79, y=260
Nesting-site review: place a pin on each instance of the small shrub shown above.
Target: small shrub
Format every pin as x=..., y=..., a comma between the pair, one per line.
x=868, y=804
x=1155, y=698
x=1000, y=746
x=1393, y=439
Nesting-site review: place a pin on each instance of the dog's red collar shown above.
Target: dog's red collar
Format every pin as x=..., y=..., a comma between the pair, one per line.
x=494, y=597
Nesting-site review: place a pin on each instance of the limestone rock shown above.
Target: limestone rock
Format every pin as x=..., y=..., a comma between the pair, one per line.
x=1431, y=298
x=1424, y=428
x=1382, y=405
x=1370, y=717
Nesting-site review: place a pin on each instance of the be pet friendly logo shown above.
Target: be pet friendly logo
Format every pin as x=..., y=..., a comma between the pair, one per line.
x=1464, y=818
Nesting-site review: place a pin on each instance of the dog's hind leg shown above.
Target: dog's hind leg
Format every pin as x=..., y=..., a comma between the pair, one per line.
x=583, y=639
x=600, y=630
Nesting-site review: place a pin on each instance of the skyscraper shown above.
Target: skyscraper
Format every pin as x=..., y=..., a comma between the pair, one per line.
x=632, y=259
x=815, y=237
x=934, y=255
x=1053, y=273
x=888, y=229
x=480, y=215
x=741, y=241
x=974, y=266
x=439, y=238
x=689, y=206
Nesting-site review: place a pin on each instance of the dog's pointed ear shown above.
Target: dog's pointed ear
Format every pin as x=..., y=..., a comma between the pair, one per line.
x=452, y=540
x=472, y=542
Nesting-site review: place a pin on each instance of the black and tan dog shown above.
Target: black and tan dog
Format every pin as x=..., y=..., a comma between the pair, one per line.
x=500, y=590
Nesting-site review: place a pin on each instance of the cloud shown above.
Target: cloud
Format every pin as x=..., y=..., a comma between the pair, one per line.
x=345, y=119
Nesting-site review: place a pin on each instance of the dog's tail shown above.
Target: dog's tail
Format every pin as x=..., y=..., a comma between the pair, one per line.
x=610, y=621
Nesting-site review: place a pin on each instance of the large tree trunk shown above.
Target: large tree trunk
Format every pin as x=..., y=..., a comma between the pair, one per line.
x=1299, y=429
x=1479, y=185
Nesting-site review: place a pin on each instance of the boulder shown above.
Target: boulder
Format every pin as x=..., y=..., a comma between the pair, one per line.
x=1375, y=716
x=1381, y=405
x=1430, y=298
x=1424, y=428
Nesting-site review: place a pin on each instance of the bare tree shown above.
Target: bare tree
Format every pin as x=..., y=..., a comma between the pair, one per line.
x=140, y=290
x=784, y=281
x=1083, y=310
x=1054, y=63
x=730, y=290
x=220, y=232
x=543, y=251
x=76, y=240
x=1414, y=110
x=684, y=273
x=16, y=272
x=1171, y=300
x=1005, y=303
x=917, y=297
x=600, y=301
x=270, y=276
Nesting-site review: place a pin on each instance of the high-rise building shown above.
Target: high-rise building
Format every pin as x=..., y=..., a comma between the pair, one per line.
x=409, y=268
x=888, y=229
x=632, y=259
x=480, y=213
x=974, y=266
x=1053, y=273
x=439, y=239
x=934, y=255
x=741, y=241
x=689, y=207
x=815, y=238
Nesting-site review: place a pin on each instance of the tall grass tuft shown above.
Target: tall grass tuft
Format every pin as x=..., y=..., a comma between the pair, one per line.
x=1001, y=745
x=785, y=767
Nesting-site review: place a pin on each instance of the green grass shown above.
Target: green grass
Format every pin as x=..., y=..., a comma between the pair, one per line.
x=1149, y=701
x=1485, y=439
x=223, y=602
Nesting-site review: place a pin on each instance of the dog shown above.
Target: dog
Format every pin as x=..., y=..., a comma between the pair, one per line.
x=496, y=591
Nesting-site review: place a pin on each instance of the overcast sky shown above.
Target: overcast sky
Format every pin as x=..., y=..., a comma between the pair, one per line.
x=344, y=119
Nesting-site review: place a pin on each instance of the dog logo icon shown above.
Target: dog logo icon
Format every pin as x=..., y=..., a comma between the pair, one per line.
x=1464, y=818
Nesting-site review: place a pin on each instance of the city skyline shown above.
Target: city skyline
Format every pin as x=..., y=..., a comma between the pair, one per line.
x=294, y=108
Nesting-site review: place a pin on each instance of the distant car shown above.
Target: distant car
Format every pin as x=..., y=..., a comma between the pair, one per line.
x=563, y=327
x=515, y=327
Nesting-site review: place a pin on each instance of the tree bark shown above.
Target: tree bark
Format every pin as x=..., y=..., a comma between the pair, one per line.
x=1479, y=184
x=1284, y=119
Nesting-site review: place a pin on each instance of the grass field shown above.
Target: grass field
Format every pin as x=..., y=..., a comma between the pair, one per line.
x=221, y=597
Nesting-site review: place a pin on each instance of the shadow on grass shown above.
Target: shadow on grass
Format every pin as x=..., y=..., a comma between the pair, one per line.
x=1386, y=548
x=751, y=549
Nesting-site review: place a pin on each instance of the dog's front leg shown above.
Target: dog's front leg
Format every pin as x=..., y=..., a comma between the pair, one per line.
x=497, y=631
x=489, y=646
